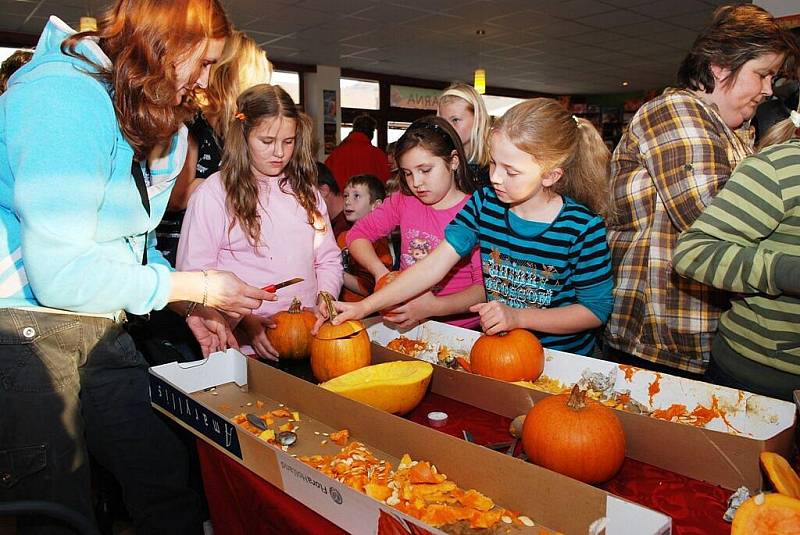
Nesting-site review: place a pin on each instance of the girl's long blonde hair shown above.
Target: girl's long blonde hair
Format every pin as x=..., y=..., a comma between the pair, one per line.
x=242, y=65
x=261, y=103
x=481, y=125
x=555, y=138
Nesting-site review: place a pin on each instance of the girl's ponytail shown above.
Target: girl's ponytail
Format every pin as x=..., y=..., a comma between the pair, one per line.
x=587, y=178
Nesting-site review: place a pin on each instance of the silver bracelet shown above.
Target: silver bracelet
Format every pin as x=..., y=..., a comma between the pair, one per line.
x=205, y=287
x=190, y=309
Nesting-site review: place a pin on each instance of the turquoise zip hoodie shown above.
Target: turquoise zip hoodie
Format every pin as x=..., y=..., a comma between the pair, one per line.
x=72, y=224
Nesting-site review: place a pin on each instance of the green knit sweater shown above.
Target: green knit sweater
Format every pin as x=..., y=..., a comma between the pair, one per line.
x=748, y=242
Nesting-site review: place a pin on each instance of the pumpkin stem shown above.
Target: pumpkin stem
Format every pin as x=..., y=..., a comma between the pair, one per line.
x=577, y=398
x=294, y=308
x=327, y=300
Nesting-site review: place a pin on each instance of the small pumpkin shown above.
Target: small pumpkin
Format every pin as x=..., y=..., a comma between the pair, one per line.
x=781, y=474
x=338, y=349
x=575, y=436
x=291, y=335
x=385, y=280
x=516, y=355
x=767, y=514
x=395, y=387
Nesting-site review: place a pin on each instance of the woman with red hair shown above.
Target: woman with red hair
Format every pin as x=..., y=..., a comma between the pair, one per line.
x=92, y=138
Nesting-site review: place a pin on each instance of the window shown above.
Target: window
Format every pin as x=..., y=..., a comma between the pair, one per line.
x=417, y=98
x=289, y=81
x=498, y=106
x=395, y=130
x=5, y=52
x=362, y=94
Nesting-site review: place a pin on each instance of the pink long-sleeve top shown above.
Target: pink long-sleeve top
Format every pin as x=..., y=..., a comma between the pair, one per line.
x=289, y=246
x=421, y=230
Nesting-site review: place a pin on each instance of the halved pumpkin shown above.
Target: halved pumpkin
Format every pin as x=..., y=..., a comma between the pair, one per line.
x=767, y=514
x=782, y=475
x=395, y=387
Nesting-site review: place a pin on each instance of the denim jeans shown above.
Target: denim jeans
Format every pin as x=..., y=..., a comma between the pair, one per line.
x=69, y=384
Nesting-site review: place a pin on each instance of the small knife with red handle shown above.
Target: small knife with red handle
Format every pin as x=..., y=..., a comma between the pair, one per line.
x=272, y=288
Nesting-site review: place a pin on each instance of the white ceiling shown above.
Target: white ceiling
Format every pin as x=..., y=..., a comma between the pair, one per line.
x=570, y=46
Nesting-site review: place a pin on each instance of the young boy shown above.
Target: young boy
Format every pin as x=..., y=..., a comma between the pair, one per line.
x=362, y=194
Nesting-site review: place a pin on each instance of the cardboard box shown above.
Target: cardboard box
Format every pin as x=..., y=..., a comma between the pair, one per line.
x=551, y=500
x=723, y=453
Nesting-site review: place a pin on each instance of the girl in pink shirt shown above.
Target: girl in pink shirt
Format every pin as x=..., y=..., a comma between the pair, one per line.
x=260, y=216
x=434, y=184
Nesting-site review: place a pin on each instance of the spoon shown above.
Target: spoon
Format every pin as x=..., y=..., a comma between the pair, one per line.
x=256, y=421
x=287, y=438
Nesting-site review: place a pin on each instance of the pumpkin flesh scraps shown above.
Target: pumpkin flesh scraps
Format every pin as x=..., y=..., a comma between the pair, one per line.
x=268, y=417
x=781, y=474
x=340, y=437
x=416, y=488
x=407, y=346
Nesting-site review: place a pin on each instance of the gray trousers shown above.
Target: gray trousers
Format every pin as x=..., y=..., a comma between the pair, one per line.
x=69, y=384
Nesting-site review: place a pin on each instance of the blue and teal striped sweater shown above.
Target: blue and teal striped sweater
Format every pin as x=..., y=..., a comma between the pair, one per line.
x=529, y=264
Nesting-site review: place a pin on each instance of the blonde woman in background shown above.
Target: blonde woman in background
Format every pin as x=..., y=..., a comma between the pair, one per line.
x=462, y=107
x=243, y=65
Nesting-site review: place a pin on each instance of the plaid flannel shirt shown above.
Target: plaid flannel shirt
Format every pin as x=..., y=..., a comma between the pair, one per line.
x=674, y=157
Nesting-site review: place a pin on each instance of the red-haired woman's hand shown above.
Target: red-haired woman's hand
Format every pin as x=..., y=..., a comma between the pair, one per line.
x=211, y=330
x=229, y=293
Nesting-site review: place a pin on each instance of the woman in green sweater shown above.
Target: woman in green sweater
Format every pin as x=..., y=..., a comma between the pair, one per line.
x=748, y=242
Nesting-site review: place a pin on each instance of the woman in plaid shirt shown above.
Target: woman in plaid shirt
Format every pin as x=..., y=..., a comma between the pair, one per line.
x=676, y=154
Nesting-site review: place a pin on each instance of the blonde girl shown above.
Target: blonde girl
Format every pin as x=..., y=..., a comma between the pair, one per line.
x=545, y=259
x=261, y=216
x=434, y=185
x=463, y=107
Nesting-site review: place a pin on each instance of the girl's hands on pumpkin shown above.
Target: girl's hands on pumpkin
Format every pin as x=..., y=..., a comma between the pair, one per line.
x=211, y=330
x=496, y=317
x=413, y=312
x=255, y=328
x=230, y=294
x=344, y=312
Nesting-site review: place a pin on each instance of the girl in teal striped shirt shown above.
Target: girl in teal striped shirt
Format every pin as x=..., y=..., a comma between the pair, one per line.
x=546, y=263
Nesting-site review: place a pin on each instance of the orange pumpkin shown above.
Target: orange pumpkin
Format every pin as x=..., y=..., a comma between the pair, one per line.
x=574, y=436
x=338, y=349
x=386, y=279
x=767, y=514
x=781, y=474
x=516, y=355
x=292, y=333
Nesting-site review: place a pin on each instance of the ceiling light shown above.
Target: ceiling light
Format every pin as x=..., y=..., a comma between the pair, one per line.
x=625, y=83
x=480, y=81
x=88, y=24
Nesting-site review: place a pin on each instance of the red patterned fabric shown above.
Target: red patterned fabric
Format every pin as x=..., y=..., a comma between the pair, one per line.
x=242, y=503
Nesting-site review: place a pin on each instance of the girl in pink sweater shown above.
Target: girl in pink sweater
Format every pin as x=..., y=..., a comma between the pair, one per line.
x=435, y=183
x=260, y=216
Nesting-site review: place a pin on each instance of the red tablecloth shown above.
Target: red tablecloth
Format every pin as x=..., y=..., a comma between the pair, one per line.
x=241, y=503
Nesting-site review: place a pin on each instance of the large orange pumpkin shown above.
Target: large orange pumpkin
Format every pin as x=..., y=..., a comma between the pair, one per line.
x=291, y=335
x=338, y=349
x=767, y=514
x=516, y=355
x=574, y=436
